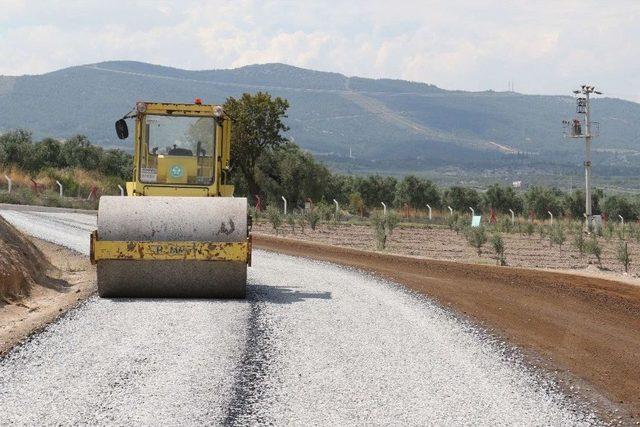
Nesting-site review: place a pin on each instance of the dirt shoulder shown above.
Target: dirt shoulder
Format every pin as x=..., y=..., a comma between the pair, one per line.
x=71, y=281
x=584, y=328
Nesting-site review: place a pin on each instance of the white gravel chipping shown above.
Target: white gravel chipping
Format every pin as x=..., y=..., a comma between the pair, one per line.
x=314, y=344
x=127, y=363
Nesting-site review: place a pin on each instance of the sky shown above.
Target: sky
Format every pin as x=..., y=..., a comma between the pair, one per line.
x=543, y=47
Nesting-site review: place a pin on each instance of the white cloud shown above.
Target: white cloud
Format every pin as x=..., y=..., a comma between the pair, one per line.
x=544, y=46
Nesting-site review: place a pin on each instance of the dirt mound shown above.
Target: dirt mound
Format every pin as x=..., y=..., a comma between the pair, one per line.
x=22, y=265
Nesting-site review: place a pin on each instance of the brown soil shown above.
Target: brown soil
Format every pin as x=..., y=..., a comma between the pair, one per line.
x=586, y=328
x=22, y=265
x=439, y=242
x=61, y=279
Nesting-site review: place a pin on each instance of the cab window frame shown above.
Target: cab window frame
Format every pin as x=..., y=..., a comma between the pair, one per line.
x=146, y=147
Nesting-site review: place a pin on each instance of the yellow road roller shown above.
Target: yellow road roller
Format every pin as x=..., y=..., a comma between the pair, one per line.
x=179, y=232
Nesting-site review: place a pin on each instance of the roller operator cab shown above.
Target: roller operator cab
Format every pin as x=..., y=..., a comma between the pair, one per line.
x=179, y=232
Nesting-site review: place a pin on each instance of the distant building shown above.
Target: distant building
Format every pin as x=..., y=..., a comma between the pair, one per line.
x=517, y=184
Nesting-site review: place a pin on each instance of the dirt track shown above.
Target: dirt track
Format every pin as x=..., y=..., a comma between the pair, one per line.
x=586, y=327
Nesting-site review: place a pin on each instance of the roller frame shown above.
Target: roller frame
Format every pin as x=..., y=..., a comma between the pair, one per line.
x=169, y=250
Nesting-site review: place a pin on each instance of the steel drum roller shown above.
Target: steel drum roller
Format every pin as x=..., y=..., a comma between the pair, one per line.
x=172, y=219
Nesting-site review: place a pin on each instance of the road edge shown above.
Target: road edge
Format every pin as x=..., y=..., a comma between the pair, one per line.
x=57, y=304
x=389, y=266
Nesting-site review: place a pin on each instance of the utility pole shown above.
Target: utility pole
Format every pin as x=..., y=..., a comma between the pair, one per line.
x=584, y=107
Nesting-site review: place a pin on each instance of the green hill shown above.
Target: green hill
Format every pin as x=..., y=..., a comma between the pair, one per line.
x=388, y=125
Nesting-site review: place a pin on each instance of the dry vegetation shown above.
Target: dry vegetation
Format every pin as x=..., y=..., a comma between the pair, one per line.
x=77, y=184
x=78, y=181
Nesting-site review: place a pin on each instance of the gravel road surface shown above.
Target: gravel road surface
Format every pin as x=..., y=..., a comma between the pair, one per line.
x=313, y=344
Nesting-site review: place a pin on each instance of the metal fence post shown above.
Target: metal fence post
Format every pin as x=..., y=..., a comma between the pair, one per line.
x=551, y=215
x=513, y=217
x=384, y=209
x=94, y=193
x=121, y=190
x=429, y=207
x=285, y=204
x=9, y=183
x=59, y=185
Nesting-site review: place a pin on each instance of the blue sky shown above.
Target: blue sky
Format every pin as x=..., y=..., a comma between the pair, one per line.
x=545, y=47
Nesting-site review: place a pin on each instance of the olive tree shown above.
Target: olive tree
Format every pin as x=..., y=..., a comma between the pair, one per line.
x=257, y=127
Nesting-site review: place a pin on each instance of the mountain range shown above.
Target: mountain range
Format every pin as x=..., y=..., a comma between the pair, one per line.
x=354, y=124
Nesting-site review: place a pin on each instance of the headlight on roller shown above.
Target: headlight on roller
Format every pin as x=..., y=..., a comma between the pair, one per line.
x=141, y=107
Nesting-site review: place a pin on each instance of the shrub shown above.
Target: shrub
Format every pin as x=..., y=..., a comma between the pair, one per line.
x=53, y=199
x=624, y=256
x=392, y=220
x=313, y=217
x=634, y=231
x=573, y=203
x=356, y=204
x=505, y=225
x=85, y=204
x=291, y=220
x=451, y=221
x=476, y=236
x=254, y=213
x=557, y=235
x=460, y=225
x=379, y=231
x=70, y=185
x=325, y=211
x=576, y=227
x=383, y=226
x=117, y=163
x=19, y=196
x=609, y=229
x=498, y=248
x=592, y=247
x=616, y=205
x=302, y=222
x=529, y=229
x=542, y=231
x=274, y=216
x=579, y=242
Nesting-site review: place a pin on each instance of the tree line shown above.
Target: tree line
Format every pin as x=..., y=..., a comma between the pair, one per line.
x=18, y=149
x=265, y=163
x=303, y=178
